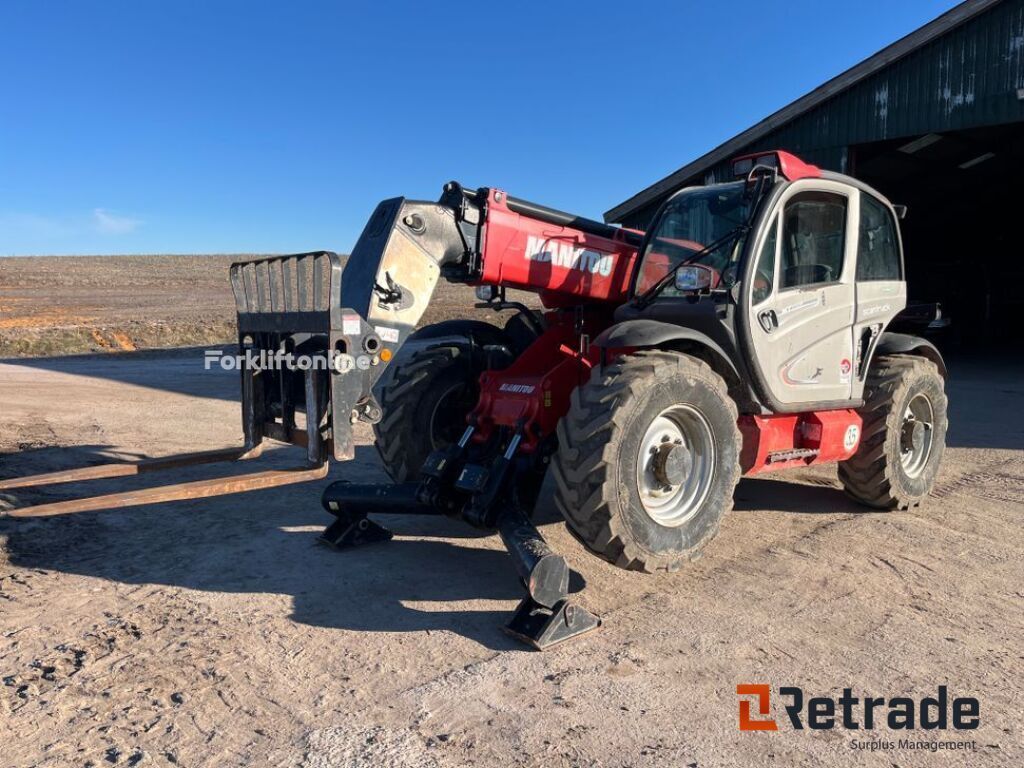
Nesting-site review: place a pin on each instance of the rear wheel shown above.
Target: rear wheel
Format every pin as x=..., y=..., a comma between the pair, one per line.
x=424, y=404
x=904, y=434
x=647, y=461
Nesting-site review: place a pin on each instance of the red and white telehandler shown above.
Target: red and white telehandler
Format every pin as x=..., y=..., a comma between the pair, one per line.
x=751, y=328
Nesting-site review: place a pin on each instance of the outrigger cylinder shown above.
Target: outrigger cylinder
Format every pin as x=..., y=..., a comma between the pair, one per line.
x=544, y=573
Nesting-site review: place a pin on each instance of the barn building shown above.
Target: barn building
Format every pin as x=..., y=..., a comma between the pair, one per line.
x=934, y=121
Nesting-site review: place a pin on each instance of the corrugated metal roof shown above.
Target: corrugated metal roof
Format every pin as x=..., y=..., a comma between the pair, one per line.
x=944, y=76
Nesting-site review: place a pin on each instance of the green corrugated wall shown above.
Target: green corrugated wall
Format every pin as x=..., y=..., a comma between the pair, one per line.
x=969, y=77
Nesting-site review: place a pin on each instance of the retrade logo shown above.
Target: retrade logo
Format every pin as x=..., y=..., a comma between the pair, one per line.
x=899, y=713
x=762, y=695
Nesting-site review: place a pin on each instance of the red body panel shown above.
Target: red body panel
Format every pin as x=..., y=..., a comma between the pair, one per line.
x=565, y=265
x=834, y=434
x=790, y=166
x=536, y=388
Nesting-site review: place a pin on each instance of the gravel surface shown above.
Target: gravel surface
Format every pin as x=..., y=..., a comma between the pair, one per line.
x=218, y=632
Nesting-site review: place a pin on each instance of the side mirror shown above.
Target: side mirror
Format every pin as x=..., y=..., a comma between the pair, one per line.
x=693, y=277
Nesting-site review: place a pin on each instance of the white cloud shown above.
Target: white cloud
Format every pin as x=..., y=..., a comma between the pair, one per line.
x=109, y=223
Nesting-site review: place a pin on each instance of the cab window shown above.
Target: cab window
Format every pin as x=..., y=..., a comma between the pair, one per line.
x=813, y=239
x=764, y=274
x=689, y=223
x=878, y=252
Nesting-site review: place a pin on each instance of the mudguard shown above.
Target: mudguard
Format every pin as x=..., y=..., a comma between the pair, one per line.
x=904, y=344
x=653, y=333
x=516, y=335
x=477, y=331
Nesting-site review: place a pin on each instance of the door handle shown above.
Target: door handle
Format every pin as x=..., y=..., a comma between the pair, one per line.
x=768, y=320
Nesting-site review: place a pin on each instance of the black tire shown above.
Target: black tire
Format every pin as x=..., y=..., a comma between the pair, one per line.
x=600, y=438
x=424, y=402
x=876, y=475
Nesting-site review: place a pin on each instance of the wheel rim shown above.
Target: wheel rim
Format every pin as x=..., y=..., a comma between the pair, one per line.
x=448, y=419
x=917, y=435
x=675, y=465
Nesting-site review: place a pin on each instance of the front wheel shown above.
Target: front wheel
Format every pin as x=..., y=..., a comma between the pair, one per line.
x=648, y=459
x=424, y=404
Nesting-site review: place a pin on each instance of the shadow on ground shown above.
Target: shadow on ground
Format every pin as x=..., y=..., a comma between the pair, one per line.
x=180, y=371
x=267, y=542
x=782, y=494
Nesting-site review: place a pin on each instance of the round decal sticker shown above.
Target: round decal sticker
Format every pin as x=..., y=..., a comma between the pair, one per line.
x=851, y=437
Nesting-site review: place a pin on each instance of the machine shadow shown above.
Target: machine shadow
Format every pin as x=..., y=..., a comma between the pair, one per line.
x=437, y=574
x=181, y=370
x=783, y=494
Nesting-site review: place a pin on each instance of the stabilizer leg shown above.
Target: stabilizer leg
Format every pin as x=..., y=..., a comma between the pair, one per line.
x=546, y=616
x=542, y=627
x=351, y=502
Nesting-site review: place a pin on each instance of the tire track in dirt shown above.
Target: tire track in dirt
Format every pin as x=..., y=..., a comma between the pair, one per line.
x=1001, y=481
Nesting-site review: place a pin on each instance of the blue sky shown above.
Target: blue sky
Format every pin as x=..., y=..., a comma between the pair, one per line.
x=200, y=127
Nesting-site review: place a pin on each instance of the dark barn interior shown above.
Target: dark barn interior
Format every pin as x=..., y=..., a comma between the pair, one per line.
x=961, y=235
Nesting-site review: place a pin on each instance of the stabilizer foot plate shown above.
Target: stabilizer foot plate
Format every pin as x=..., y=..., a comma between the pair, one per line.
x=545, y=627
x=345, y=533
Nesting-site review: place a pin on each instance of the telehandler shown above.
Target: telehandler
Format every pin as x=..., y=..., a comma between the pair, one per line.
x=750, y=329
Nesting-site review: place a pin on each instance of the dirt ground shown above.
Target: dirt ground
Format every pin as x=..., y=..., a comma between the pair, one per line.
x=219, y=632
x=59, y=305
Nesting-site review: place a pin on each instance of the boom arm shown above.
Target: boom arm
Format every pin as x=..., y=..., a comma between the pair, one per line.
x=483, y=237
x=359, y=314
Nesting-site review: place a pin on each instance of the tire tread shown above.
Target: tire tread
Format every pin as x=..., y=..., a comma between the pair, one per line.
x=583, y=466
x=870, y=475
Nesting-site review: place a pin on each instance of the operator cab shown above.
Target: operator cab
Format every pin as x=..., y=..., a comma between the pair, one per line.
x=699, y=233
x=791, y=271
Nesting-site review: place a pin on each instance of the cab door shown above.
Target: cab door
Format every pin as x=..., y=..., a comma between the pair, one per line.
x=881, y=290
x=802, y=301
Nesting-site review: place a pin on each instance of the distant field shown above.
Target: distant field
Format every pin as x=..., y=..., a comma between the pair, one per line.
x=71, y=304
x=59, y=305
